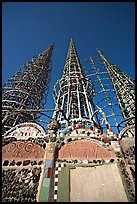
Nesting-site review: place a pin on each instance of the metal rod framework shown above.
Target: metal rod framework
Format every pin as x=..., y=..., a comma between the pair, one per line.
x=27, y=89
x=124, y=88
x=74, y=92
x=106, y=107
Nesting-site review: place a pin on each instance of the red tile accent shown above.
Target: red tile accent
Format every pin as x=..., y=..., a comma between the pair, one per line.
x=49, y=172
x=56, y=175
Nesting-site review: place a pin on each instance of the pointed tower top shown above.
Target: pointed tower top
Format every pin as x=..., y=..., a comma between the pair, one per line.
x=52, y=44
x=50, y=48
x=71, y=42
x=102, y=56
x=73, y=60
x=99, y=51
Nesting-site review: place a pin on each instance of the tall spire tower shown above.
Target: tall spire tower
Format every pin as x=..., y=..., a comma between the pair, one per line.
x=26, y=90
x=73, y=93
x=79, y=140
x=67, y=163
x=124, y=88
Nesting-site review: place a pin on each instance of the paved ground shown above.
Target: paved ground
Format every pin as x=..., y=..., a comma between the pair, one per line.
x=96, y=184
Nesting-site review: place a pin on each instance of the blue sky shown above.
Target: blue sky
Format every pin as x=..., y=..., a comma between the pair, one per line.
x=28, y=28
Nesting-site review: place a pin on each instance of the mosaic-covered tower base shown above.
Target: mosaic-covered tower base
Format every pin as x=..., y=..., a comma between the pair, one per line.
x=81, y=164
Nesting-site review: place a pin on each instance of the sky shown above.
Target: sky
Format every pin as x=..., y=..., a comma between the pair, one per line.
x=28, y=28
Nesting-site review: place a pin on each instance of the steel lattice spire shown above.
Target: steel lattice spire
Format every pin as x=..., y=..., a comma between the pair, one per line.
x=73, y=93
x=124, y=88
x=27, y=89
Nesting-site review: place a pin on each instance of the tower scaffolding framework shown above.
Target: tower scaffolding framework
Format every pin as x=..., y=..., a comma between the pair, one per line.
x=124, y=88
x=26, y=90
x=105, y=99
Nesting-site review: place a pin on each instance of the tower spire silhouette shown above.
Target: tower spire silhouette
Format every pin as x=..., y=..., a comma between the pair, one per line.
x=124, y=88
x=73, y=93
x=27, y=89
